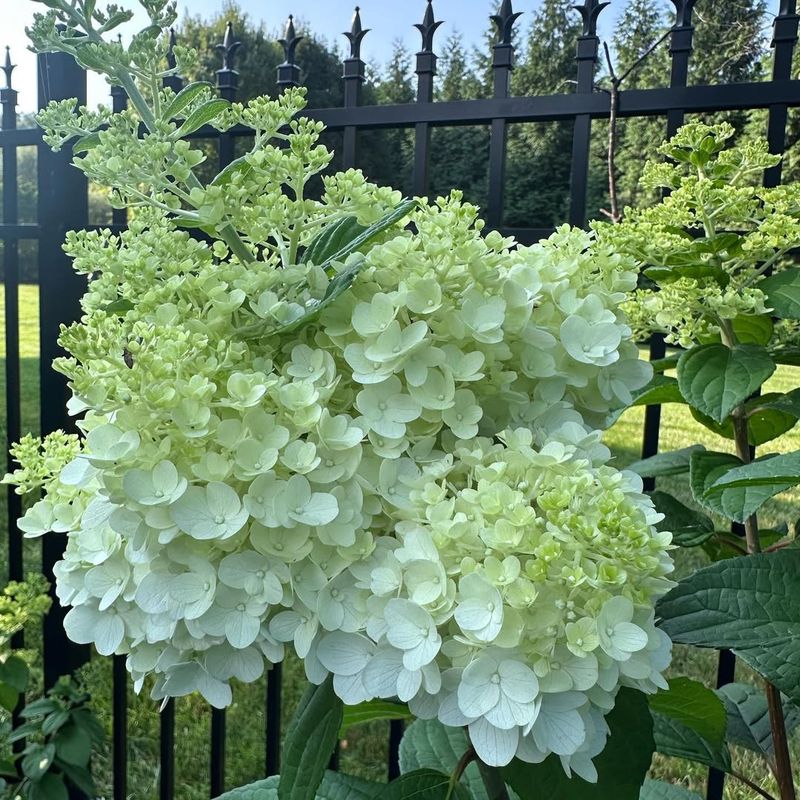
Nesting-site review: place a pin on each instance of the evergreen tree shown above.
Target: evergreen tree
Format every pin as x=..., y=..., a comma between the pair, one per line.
x=459, y=156
x=539, y=154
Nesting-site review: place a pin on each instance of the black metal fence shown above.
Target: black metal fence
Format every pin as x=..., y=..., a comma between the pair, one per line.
x=63, y=205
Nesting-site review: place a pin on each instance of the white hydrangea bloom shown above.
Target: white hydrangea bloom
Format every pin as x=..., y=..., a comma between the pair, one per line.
x=409, y=489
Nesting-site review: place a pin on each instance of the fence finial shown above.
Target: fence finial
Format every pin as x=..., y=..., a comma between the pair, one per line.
x=788, y=8
x=427, y=28
x=290, y=41
x=504, y=21
x=590, y=11
x=8, y=67
x=683, y=12
x=228, y=48
x=173, y=39
x=356, y=34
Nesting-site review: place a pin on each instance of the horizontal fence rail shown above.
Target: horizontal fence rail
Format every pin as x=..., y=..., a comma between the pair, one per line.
x=62, y=205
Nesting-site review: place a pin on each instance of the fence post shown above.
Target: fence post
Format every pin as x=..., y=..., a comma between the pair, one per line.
x=425, y=70
x=588, y=47
x=502, y=64
x=62, y=206
x=353, y=76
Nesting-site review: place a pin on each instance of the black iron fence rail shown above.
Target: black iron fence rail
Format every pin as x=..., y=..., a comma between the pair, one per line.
x=62, y=205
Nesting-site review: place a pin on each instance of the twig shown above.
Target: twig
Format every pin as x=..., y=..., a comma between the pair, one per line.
x=754, y=786
x=469, y=756
x=493, y=782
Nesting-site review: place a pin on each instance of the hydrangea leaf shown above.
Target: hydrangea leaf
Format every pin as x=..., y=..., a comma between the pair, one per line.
x=783, y=293
x=689, y=528
x=184, y=97
x=753, y=328
x=661, y=790
x=716, y=379
x=750, y=605
x=202, y=115
x=661, y=389
x=776, y=473
x=332, y=240
x=732, y=502
x=660, y=465
x=695, y=706
x=676, y=739
x=424, y=784
x=334, y=786
x=621, y=767
x=748, y=717
x=309, y=742
x=372, y=711
x=427, y=743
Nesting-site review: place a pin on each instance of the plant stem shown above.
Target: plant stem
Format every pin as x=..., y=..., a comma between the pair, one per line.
x=492, y=781
x=783, y=764
x=754, y=786
x=465, y=760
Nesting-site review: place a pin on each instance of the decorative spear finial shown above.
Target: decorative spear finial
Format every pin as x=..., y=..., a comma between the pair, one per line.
x=427, y=28
x=590, y=11
x=683, y=12
x=171, y=63
x=228, y=47
x=504, y=21
x=290, y=41
x=356, y=34
x=8, y=67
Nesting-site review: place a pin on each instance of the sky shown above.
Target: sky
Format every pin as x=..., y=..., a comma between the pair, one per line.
x=388, y=20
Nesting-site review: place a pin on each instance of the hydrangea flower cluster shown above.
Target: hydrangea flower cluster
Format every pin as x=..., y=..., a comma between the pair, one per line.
x=403, y=480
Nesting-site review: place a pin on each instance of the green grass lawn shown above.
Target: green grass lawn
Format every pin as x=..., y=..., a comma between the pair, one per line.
x=365, y=749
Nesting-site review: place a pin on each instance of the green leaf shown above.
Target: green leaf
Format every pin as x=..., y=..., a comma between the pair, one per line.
x=675, y=273
x=660, y=390
x=85, y=143
x=50, y=787
x=371, y=711
x=753, y=329
x=119, y=306
x=184, y=97
x=9, y=697
x=748, y=717
x=202, y=115
x=675, y=462
x=332, y=240
x=73, y=746
x=14, y=672
x=52, y=722
x=38, y=760
x=310, y=740
x=689, y=528
x=692, y=704
x=661, y=790
x=769, y=472
x=334, y=786
x=77, y=776
x=663, y=364
x=7, y=769
x=427, y=743
x=787, y=354
x=734, y=503
x=238, y=165
x=621, y=767
x=715, y=379
x=783, y=293
x=750, y=605
x=387, y=221
x=674, y=738
x=423, y=784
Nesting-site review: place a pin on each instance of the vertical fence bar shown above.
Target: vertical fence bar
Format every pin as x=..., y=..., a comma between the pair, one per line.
x=353, y=77
x=119, y=719
x=502, y=64
x=62, y=206
x=166, y=783
x=227, y=84
x=680, y=48
x=784, y=39
x=8, y=121
x=426, y=71
x=588, y=46
x=273, y=744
